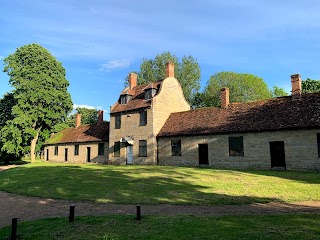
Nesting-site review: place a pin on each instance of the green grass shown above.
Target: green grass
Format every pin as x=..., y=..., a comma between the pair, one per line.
x=263, y=227
x=158, y=184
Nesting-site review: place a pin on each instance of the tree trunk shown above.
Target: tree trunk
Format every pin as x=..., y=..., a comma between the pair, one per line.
x=33, y=146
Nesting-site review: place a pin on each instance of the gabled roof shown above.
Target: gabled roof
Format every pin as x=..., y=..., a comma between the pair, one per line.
x=265, y=115
x=137, y=100
x=97, y=132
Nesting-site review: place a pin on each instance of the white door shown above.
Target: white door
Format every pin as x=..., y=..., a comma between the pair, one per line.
x=129, y=154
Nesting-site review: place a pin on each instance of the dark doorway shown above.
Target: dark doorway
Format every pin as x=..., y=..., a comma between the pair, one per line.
x=66, y=154
x=47, y=155
x=277, y=155
x=88, y=154
x=203, y=154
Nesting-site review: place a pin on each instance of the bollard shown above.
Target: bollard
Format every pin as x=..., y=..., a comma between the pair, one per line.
x=138, y=213
x=71, y=213
x=14, y=228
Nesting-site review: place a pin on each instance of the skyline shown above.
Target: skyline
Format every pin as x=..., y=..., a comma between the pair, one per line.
x=99, y=42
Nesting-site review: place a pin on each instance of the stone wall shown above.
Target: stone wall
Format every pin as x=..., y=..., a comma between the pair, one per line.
x=301, y=151
x=81, y=158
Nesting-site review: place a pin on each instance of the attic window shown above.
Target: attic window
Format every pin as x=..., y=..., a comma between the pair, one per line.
x=149, y=93
x=124, y=99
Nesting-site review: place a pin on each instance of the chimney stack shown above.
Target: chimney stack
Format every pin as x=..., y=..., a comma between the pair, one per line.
x=133, y=78
x=100, y=116
x=78, y=120
x=170, y=69
x=224, y=97
x=296, y=86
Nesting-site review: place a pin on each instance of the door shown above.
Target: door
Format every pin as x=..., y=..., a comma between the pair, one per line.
x=129, y=154
x=47, y=155
x=66, y=154
x=88, y=154
x=203, y=154
x=277, y=154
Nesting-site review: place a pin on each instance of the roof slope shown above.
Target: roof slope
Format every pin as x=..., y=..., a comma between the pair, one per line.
x=97, y=132
x=272, y=114
x=137, y=98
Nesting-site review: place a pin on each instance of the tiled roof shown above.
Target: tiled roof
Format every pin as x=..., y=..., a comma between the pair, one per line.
x=137, y=100
x=97, y=132
x=265, y=115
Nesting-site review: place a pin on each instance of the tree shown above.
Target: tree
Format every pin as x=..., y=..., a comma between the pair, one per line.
x=278, y=92
x=187, y=72
x=310, y=86
x=242, y=87
x=88, y=116
x=42, y=100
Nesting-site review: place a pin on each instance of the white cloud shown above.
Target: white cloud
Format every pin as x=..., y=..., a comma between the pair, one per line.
x=115, y=64
x=75, y=106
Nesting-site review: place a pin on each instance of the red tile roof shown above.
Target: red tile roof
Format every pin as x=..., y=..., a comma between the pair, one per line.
x=137, y=100
x=265, y=115
x=97, y=132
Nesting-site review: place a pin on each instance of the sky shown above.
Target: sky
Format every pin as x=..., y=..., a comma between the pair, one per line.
x=99, y=42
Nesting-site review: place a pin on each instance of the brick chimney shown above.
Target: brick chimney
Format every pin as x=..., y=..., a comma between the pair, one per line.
x=224, y=97
x=100, y=116
x=170, y=69
x=78, y=120
x=133, y=78
x=296, y=86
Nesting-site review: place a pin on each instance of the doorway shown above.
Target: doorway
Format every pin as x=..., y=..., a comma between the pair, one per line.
x=129, y=154
x=277, y=154
x=66, y=154
x=88, y=154
x=203, y=154
x=47, y=155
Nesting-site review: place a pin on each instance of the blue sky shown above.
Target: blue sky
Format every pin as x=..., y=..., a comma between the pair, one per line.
x=99, y=42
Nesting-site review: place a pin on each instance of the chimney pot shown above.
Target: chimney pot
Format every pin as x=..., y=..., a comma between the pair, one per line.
x=224, y=97
x=100, y=116
x=133, y=78
x=78, y=120
x=170, y=69
x=296, y=86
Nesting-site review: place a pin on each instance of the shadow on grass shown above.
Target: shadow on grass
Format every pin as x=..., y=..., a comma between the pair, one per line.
x=14, y=162
x=131, y=185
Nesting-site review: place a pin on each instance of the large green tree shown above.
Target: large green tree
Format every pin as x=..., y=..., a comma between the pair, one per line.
x=243, y=88
x=278, y=92
x=42, y=100
x=187, y=71
x=310, y=86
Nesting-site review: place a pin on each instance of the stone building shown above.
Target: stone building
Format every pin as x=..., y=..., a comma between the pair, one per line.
x=279, y=133
x=139, y=114
x=80, y=144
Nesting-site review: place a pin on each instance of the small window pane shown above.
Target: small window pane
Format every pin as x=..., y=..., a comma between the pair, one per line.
x=176, y=147
x=142, y=148
x=236, y=146
x=56, y=150
x=101, y=149
x=143, y=118
x=117, y=121
x=116, y=150
x=76, y=149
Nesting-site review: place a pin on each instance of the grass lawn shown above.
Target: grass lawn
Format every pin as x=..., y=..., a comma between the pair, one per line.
x=271, y=227
x=159, y=184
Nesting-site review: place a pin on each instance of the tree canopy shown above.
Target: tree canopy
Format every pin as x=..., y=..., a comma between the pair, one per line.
x=243, y=87
x=187, y=72
x=40, y=91
x=310, y=86
x=278, y=92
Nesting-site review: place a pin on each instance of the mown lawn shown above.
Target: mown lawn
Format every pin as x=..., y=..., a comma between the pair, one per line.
x=159, y=184
x=263, y=227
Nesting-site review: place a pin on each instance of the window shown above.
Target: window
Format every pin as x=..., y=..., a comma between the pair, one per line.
x=124, y=99
x=318, y=141
x=101, y=149
x=116, y=149
x=142, y=148
x=143, y=118
x=149, y=93
x=117, y=122
x=56, y=150
x=236, y=146
x=176, y=147
x=76, y=149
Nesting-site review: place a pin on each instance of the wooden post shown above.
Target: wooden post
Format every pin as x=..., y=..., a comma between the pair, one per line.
x=138, y=213
x=14, y=229
x=71, y=213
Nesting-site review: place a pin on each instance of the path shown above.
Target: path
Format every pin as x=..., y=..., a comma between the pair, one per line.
x=32, y=208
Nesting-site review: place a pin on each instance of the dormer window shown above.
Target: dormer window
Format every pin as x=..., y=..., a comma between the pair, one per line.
x=124, y=99
x=149, y=93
